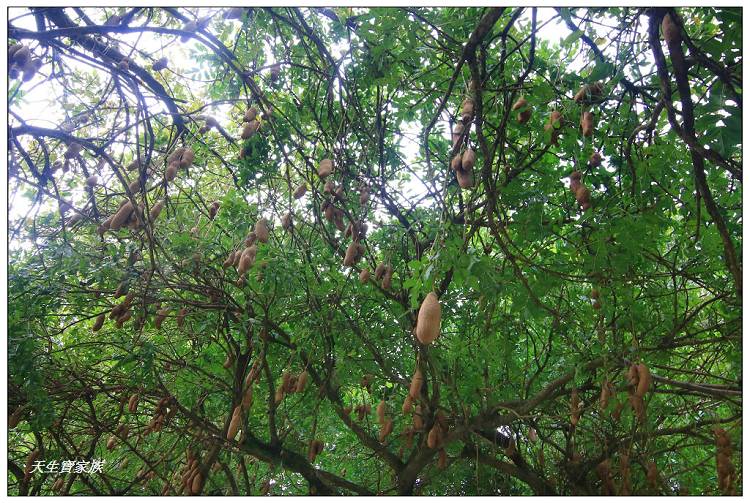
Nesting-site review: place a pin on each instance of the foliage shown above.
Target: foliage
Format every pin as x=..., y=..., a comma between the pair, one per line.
x=517, y=259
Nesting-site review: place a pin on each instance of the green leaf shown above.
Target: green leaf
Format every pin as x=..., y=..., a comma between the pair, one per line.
x=567, y=41
x=602, y=70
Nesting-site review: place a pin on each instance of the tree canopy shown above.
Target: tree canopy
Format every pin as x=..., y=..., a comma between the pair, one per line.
x=435, y=251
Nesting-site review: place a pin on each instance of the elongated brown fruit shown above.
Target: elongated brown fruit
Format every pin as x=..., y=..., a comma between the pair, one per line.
x=124, y=318
x=351, y=255
x=251, y=375
x=99, y=323
x=300, y=191
x=111, y=443
x=58, y=485
x=417, y=420
x=364, y=196
x=251, y=239
x=161, y=315
x=583, y=196
x=379, y=271
x=122, y=216
x=338, y=219
x=325, y=168
x=575, y=407
x=286, y=382
x=468, y=159
x=286, y=378
x=176, y=155
x=171, y=172
x=387, y=277
x=279, y=396
x=434, y=438
x=247, y=259
x=247, y=398
x=380, y=411
x=328, y=210
x=428, y=319
x=458, y=132
x=725, y=469
x=135, y=186
x=197, y=484
x=520, y=103
x=73, y=150
x=315, y=448
x=581, y=94
x=554, y=134
x=15, y=418
x=587, y=123
x=117, y=311
x=406, y=407
x=639, y=408
x=21, y=55
x=625, y=489
x=386, y=430
x=632, y=375
x=181, y=314
x=249, y=129
x=442, y=459
x=229, y=361
x=261, y=230
x=467, y=110
x=416, y=384
x=588, y=92
x=286, y=221
x=644, y=380
x=33, y=455
x=133, y=403
x=75, y=219
x=364, y=276
x=160, y=64
x=229, y=260
x=156, y=210
x=523, y=117
x=339, y=194
x=301, y=382
x=187, y=157
x=123, y=431
x=92, y=181
x=250, y=114
x=456, y=162
x=465, y=179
